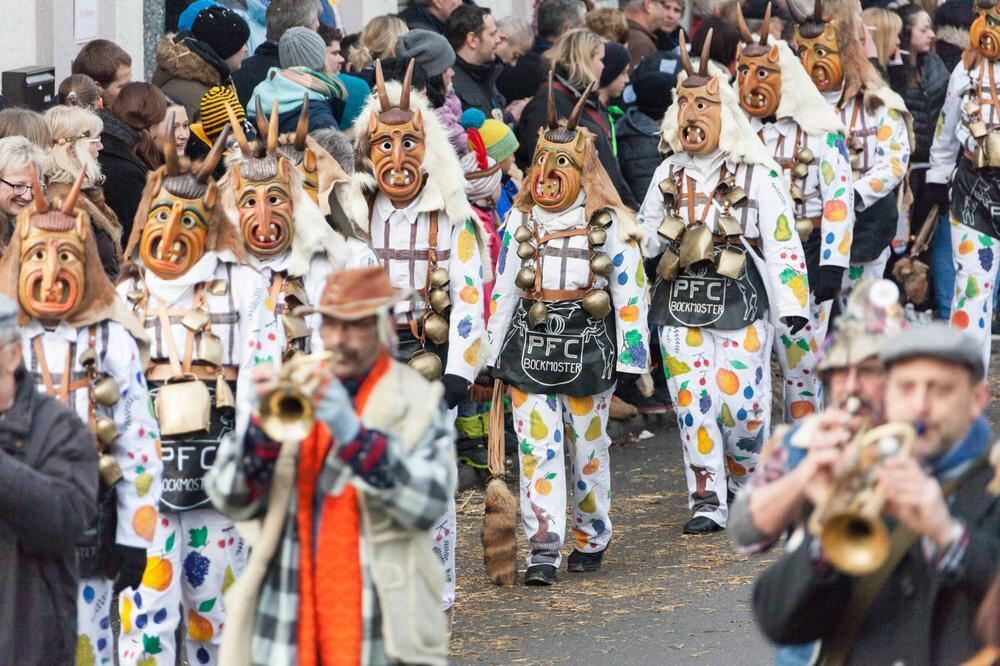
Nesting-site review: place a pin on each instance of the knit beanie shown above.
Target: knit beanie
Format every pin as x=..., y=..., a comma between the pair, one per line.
x=500, y=141
x=429, y=49
x=616, y=59
x=222, y=29
x=483, y=180
x=187, y=17
x=212, y=110
x=654, y=93
x=302, y=47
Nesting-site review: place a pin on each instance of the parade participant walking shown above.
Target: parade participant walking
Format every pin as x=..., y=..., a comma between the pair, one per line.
x=570, y=314
x=407, y=198
x=342, y=572
x=879, y=135
x=80, y=345
x=721, y=217
x=968, y=135
x=806, y=139
x=205, y=316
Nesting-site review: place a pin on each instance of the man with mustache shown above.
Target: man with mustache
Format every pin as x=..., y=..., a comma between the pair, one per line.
x=204, y=313
x=919, y=605
x=721, y=218
x=968, y=134
x=84, y=349
x=806, y=139
x=879, y=134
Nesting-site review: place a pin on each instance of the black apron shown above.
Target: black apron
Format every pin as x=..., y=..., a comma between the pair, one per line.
x=701, y=298
x=874, y=228
x=95, y=546
x=571, y=354
x=975, y=198
x=188, y=458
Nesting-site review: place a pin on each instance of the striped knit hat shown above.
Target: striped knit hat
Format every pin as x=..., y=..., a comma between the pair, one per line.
x=212, y=110
x=498, y=137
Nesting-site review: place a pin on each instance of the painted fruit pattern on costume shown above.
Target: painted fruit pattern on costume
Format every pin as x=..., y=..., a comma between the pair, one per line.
x=977, y=261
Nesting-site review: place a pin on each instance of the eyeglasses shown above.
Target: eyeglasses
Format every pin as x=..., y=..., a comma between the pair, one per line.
x=18, y=188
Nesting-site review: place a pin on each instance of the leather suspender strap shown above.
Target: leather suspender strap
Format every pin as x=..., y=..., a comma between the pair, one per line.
x=91, y=375
x=565, y=233
x=276, y=284
x=432, y=243
x=63, y=391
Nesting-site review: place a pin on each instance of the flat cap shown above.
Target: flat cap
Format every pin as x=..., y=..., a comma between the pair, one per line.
x=935, y=340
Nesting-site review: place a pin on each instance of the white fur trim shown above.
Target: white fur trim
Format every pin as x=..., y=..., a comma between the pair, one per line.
x=801, y=100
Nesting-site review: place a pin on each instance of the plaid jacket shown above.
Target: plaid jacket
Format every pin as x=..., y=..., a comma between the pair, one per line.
x=411, y=486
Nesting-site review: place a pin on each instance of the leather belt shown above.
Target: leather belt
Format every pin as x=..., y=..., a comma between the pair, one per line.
x=161, y=372
x=557, y=294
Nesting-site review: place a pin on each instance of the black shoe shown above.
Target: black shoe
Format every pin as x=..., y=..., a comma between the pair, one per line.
x=540, y=575
x=702, y=525
x=579, y=561
x=631, y=394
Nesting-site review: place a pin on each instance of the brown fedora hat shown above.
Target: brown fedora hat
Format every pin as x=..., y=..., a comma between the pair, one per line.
x=355, y=294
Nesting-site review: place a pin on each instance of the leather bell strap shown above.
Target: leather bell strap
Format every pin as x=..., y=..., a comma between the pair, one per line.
x=272, y=297
x=161, y=372
x=537, y=292
x=550, y=295
x=178, y=367
x=689, y=196
x=62, y=392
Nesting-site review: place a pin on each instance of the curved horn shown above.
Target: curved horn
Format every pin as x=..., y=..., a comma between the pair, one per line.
x=741, y=23
x=685, y=58
x=818, y=11
x=404, y=94
x=260, y=119
x=272, y=128
x=793, y=9
x=70, y=202
x=212, y=160
x=574, y=116
x=241, y=138
x=170, y=149
x=706, y=49
x=765, y=26
x=552, y=118
x=41, y=205
x=302, y=128
x=383, y=96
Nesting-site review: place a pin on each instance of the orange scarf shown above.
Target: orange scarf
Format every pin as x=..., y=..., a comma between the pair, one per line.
x=330, y=623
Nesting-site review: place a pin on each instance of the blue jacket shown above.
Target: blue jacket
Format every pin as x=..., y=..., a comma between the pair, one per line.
x=289, y=95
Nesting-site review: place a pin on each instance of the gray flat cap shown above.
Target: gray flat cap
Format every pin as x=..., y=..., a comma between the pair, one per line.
x=934, y=340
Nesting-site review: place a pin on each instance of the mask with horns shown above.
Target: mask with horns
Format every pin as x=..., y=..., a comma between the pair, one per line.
x=758, y=74
x=299, y=154
x=818, y=48
x=699, y=104
x=397, y=142
x=182, y=201
x=984, y=33
x=262, y=186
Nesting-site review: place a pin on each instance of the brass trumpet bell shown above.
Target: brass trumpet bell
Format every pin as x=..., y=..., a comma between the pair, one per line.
x=601, y=218
x=805, y=156
x=105, y=430
x=696, y=245
x=525, y=278
x=108, y=470
x=537, y=314
x=668, y=266
x=731, y=263
x=105, y=391
x=729, y=225
x=597, y=303
x=672, y=227
x=439, y=277
x=597, y=236
x=601, y=264
x=800, y=170
x=440, y=301
x=436, y=328
x=427, y=364
x=522, y=234
x=525, y=251
x=736, y=197
x=286, y=412
x=804, y=227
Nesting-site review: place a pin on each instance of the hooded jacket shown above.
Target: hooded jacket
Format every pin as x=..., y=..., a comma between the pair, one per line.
x=254, y=70
x=476, y=85
x=288, y=87
x=638, y=150
x=186, y=68
x=124, y=172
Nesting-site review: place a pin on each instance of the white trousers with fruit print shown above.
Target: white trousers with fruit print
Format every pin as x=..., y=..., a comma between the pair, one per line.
x=94, y=640
x=798, y=355
x=720, y=383
x=443, y=537
x=195, y=557
x=866, y=270
x=976, y=265
x=543, y=423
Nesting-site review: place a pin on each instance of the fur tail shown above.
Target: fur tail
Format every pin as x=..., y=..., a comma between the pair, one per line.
x=498, y=535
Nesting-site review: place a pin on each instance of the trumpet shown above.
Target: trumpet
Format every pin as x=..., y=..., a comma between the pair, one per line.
x=848, y=523
x=286, y=412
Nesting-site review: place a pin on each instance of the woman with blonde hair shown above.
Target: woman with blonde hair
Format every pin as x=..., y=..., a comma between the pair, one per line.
x=377, y=40
x=884, y=27
x=76, y=142
x=576, y=61
x=27, y=123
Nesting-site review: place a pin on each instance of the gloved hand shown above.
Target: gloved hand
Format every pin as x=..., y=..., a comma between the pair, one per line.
x=794, y=324
x=828, y=283
x=935, y=193
x=130, y=564
x=337, y=412
x=456, y=389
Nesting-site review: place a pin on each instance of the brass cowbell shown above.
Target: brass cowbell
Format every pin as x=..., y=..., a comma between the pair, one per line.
x=601, y=264
x=440, y=301
x=805, y=156
x=597, y=236
x=804, y=227
x=105, y=391
x=439, y=277
x=108, y=469
x=427, y=364
x=525, y=278
x=696, y=245
x=436, y=328
x=731, y=263
x=105, y=429
x=669, y=265
x=525, y=251
x=597, y=303
x=537, y=314
x=800, y=170
x=522, y=234
x=224, y=398
x=210, y=347
x=672, y=227
x=729, y=225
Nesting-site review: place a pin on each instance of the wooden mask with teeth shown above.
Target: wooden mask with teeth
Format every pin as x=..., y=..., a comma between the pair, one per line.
x=262, y=187
x=818, y=48
x=176, y=229
x=699, y=105
x=984, y=33
x=396, y=142
x=758, y=73
x=557, y=165
x=299, y=155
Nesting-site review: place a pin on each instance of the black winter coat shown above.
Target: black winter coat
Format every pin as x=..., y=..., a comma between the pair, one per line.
x=48, y=496
x=418, y=18
x=476, y=86
x=525, y=78
x=254, y=69
x=924, y=100
x=638, y=150
x=594, y=118
x=125, y=174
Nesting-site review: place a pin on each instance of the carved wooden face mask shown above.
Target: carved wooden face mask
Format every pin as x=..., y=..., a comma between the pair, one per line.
x=984, y=33
x=758, y=74
x=699, y=104
x=818, y=48
x=396, y=141
x=51, y=280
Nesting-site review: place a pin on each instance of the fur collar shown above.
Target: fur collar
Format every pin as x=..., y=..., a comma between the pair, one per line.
x=177, y=60
x=801, y=100
x=953, y=35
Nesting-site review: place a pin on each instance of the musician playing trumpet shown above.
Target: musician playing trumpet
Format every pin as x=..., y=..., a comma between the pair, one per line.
x=341, y=566
x=944, y=528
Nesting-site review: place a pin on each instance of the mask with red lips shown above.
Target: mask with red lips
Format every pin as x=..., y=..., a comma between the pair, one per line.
x=984, y=33
x=699, y=105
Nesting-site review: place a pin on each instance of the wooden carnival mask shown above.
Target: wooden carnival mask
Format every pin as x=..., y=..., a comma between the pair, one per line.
x=396, y=140
x=557, y=166
x=177, y=225
x=699, y=104
x=52, y=277
x=818, y=48
x=262, y=187
x=984, y=33
x=299, y=155
x=758, y=73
